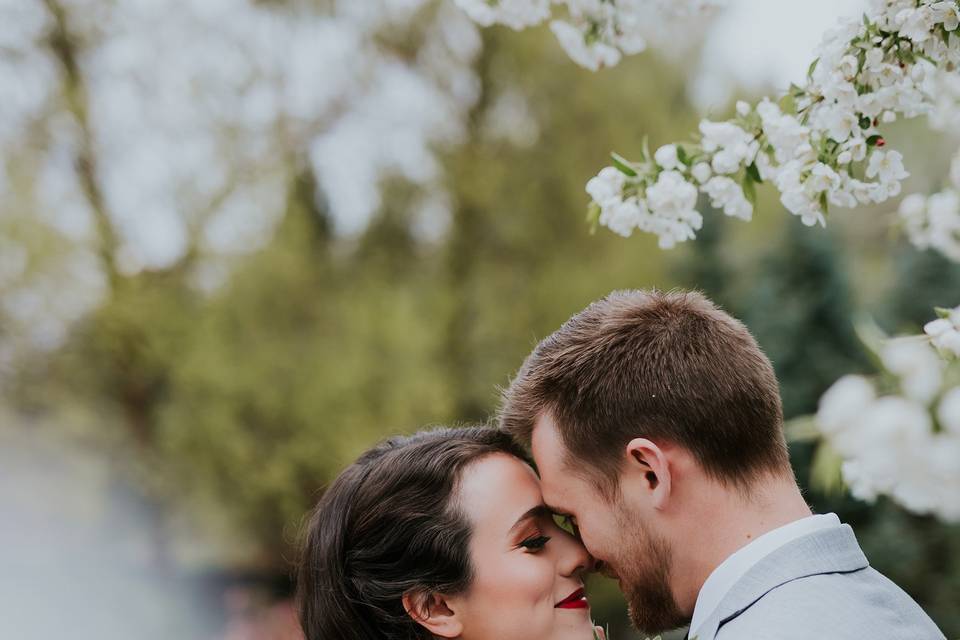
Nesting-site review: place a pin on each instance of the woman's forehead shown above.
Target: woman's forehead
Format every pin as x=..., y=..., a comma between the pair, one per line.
x=497, y=490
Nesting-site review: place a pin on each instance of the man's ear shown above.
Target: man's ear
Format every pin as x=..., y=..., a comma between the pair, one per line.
x=433, y=612
x=648, y=467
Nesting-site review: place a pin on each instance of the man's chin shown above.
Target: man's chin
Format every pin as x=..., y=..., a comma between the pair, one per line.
x=653, y=611
x=651, y=623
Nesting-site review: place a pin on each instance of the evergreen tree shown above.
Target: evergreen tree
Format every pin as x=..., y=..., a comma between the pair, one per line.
x=800, y=308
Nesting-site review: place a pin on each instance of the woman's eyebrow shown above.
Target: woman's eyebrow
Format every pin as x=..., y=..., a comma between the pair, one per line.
x=538, y=511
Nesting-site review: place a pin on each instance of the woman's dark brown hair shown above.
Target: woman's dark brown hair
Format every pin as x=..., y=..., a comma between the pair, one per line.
x=390, y=525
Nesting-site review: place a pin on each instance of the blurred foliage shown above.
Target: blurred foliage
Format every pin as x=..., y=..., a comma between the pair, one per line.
x=234, y=405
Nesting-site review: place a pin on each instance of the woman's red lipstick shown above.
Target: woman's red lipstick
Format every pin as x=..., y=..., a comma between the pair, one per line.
x=576, y=600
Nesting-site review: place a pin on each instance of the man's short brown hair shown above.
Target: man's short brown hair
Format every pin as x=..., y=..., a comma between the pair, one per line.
x=670, y=367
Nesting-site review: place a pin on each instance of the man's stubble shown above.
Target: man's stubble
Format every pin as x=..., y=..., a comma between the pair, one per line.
x=644, y=568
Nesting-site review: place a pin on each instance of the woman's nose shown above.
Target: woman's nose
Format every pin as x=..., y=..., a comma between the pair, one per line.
x=574, y=557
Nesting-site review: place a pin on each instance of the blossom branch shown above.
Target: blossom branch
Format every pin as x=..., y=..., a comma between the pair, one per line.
x=595, y=33
x=820, y=144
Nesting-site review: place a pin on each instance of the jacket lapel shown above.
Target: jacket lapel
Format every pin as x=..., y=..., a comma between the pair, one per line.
x=833, y=550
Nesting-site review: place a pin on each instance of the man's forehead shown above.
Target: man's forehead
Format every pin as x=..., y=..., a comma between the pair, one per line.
x=545, y=442
x=548, y=453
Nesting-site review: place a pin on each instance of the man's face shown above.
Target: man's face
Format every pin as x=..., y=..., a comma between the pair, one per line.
x=616, y=532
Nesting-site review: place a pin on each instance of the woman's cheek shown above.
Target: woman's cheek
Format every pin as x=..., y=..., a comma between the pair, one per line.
x=524, y=598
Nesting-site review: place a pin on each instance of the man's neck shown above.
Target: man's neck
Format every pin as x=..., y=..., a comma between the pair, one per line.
x=725, y=521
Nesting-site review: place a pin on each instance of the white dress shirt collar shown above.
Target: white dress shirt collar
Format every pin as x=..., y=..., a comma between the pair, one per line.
x=739, y=562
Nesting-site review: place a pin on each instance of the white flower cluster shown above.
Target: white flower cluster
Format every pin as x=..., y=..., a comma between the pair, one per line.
x=933, y=222
x=596, y=33
x=820, y=144
x=904, y=443
x=944, y=332
x=945, y=115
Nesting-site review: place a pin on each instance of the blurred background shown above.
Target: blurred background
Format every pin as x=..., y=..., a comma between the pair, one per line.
x=241, y=241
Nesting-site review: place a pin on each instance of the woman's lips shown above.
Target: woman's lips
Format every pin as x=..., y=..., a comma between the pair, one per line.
x=576, y=600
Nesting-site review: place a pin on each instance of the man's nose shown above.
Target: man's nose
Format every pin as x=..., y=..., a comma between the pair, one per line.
x=596, y=566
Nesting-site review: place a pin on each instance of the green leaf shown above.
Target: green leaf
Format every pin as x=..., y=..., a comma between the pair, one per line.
x=825, y=473
x=682, y=155
x=872, y=140
x=749, y=189
x=864, y=122
x=622, y=164
x=802, y=429
x=824, y=203
x=646, y=149
x=942, y=312
x=754, y=172
x=593, y=216
x=872, y=337
x=812, y=67
x=788, y=104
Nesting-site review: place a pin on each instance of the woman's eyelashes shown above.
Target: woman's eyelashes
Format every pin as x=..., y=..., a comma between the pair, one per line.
x=535, y=543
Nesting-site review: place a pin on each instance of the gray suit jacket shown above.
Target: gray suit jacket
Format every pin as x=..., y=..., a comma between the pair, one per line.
x=819, y=586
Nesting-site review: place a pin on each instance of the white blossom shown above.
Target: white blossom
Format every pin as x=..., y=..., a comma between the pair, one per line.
x=516, y=14
x=672, y=201
x=594, y=33
x=944, y=333
x=948, y=13
x=933, y=222
x=916, y=23
x=955, y=171
x=592, y=55
x=623, y=217
x=726, y=194
x=886, y=165
x=666, y=156
x=607, y=186
x=904, y=444
x=843, y=403
x=917, y=365
x=948, y=413
x=701, y=172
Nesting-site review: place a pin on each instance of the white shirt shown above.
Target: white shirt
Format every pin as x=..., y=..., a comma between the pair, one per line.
x=739, y=562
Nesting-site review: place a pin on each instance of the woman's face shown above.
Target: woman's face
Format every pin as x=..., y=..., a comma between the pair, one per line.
x=528, y=572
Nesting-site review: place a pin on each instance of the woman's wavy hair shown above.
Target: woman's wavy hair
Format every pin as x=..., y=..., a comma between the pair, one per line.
x=390, y=525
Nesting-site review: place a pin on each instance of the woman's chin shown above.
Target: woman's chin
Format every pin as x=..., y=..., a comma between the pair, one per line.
x=574, y=624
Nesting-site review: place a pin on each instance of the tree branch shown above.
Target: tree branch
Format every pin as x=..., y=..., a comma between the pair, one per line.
x=63, y=45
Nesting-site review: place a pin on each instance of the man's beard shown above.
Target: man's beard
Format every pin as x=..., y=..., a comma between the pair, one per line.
x=644, y=574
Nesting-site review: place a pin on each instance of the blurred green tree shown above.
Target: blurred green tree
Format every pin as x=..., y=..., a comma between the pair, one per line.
x=232, y=390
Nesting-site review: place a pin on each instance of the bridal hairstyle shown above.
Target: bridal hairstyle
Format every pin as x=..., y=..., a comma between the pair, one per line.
x=390, y=525
x=668, y=367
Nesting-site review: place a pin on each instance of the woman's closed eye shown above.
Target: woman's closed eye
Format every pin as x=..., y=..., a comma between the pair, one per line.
x=535, y=543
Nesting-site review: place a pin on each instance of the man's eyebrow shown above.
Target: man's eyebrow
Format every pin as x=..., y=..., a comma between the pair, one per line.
x=539, y=511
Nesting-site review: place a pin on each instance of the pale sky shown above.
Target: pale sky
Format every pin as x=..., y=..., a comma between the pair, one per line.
x=758, y=44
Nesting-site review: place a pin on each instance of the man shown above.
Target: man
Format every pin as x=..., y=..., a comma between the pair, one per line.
x=656, y=425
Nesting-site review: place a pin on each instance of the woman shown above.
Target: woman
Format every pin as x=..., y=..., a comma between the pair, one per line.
x=442, y=534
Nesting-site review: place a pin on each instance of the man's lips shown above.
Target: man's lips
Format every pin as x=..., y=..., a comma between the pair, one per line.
x=576, y=600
